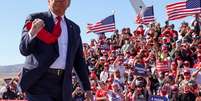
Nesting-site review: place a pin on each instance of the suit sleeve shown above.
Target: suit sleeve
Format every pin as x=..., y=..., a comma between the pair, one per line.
x=81, y=67
x=27, y=43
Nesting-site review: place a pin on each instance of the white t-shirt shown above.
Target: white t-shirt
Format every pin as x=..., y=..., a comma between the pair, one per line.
x=112, y=69
x=104, y=76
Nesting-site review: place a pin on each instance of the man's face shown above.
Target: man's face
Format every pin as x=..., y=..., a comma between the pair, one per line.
x=117, y=74
x=187, y=76
x=58, y=6
x=173, y=66
x=115, y=87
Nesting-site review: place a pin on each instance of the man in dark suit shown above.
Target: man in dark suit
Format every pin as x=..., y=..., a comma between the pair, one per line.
x=52, y=46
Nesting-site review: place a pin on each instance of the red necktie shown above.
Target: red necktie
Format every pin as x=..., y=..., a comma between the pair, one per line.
x=57, y=28
x=45, y=36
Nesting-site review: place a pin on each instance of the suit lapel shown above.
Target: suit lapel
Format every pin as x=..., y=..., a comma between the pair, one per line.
x=50, y=22
x=70, y=43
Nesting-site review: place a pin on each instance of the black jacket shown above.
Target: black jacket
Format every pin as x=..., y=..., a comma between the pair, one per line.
x=39, y=56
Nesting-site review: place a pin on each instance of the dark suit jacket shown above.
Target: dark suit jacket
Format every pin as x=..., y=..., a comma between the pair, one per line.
x=39, y=56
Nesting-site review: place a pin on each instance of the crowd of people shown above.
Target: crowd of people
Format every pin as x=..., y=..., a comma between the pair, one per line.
x=134, y=65
x=10, y=90
x=152, y=61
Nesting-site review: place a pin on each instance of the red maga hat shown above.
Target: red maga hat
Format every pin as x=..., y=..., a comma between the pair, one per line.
x=186, y=71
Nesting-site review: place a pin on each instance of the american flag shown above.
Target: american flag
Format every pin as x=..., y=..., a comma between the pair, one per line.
x=105, y=25
x=183, y=9
x=146, y=16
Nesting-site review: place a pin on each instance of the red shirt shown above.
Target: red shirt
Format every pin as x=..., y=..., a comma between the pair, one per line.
x=101, y=93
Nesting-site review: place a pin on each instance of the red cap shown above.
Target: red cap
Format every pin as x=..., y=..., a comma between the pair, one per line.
x=164, y=47
x=174, y=88
x=93, y=75
x=111, y=58
x=186, y=71
x=199, y=45
x=186, y=62
x=106, y=64
x=109, y=79
x=173, y=63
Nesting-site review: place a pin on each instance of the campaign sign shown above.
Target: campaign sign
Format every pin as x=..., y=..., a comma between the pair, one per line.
x=157, y=98
x=140, y=70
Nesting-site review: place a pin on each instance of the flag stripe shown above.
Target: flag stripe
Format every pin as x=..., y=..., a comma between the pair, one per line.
x=103, y=28
x=105, y=25
x=177, y=17
x=176, y=10
x=179, y=10
x=100, y=26
x=148, y=19
x=106, y=30
x=175, y=4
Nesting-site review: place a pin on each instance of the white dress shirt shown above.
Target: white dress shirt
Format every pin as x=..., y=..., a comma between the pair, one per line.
x=60, y=62
x=62, y=42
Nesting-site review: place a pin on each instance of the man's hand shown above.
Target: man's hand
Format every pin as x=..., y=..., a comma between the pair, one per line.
x=89, y=95
x=37, y=25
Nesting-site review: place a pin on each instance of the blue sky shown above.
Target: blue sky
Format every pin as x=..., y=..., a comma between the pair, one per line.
x=14, y=12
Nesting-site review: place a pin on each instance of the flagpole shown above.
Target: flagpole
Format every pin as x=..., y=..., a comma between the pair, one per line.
x=139, y=15
x=140, y=12
x=113, y=11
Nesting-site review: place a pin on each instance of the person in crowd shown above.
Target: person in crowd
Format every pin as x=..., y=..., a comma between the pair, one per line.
x=104, y=75
x=101, y=92
x=115, y=94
